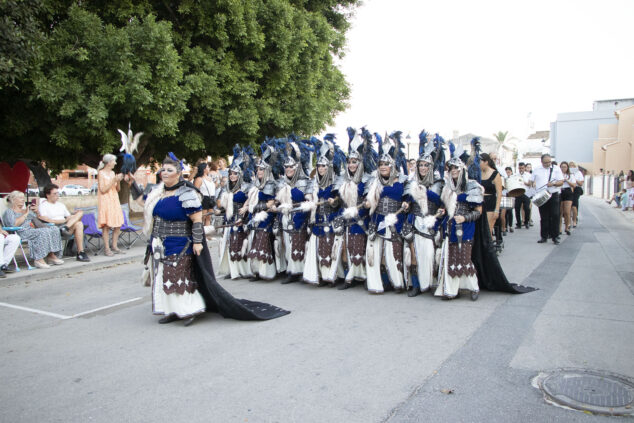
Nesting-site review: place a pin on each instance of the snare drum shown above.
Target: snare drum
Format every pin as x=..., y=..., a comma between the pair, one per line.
x=507, y=203
x=541, y=197
x=515, y=186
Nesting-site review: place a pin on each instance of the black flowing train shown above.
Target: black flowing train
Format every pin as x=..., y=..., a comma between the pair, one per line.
x=490, y=274
x=217, y=299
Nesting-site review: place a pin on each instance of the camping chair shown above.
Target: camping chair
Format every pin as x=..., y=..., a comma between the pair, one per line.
x=91, y=233
x=13, y=230
x=129, y=229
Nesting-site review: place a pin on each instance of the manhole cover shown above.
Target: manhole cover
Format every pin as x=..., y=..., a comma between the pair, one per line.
x=589, y=390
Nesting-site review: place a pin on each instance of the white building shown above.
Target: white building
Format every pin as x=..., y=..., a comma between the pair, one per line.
x=573, y=134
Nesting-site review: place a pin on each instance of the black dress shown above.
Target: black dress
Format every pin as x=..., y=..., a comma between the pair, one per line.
x=490, y=194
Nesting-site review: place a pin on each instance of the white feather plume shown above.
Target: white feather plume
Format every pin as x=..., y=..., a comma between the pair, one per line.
x=350, y=212
x=260, y=217
x=307, y=206
x=429, y=222
x=407, y=257
x=391, y=219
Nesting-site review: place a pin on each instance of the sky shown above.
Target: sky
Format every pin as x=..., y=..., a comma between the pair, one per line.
x=483, y=66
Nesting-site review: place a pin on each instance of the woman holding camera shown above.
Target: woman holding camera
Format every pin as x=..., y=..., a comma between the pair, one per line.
x=43, y=242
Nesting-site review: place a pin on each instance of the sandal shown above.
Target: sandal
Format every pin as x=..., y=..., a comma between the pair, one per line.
x=108, y=253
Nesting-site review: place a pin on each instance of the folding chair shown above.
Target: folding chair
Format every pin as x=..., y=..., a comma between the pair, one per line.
x=92, y=233
x=13, y=230
x=129, y=229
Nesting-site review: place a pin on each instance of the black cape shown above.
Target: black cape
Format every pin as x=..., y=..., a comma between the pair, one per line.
x=490, y=274
x=218, y=300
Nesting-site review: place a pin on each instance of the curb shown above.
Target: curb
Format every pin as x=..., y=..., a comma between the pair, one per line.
x=71, y=267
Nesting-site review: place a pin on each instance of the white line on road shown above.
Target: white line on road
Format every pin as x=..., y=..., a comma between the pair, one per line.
x=33, y=310
x=106, y=307
x=63, y=317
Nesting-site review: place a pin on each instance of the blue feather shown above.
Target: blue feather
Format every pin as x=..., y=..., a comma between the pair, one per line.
x=379, y=141
x=351, y=133
x=439, y=163
x=330, y=137
x=422, y=137
x=369, y=154
x=129, y=164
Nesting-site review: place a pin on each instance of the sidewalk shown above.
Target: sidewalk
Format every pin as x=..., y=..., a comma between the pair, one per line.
x=616, y=211
x=73, y=267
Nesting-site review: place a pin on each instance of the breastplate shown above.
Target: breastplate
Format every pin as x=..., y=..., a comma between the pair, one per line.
x=387, y=205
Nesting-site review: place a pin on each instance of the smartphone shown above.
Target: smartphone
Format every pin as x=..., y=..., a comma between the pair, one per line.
x=33, y=202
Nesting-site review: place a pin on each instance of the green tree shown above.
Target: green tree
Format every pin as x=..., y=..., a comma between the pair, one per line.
x=196, y=76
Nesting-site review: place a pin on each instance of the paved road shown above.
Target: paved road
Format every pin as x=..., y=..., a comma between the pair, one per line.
x=340, y=356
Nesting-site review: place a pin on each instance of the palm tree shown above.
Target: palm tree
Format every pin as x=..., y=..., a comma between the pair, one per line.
x=501, y=136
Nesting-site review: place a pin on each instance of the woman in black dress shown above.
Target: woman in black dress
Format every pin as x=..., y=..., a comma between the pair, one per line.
x=492, y=183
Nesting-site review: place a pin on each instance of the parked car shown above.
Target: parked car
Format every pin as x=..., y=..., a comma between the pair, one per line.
x=93, y=188
x=72, y=189
x=33, y=192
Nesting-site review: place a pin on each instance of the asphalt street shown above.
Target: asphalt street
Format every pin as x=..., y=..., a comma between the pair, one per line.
x=86, y=347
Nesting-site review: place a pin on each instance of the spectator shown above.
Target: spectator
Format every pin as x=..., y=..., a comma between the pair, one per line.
x=53, y=211
x=43, y=242
x=411, y=169
x=222, y=167
x=629, y=187
x=9, y=243
x=110, y=213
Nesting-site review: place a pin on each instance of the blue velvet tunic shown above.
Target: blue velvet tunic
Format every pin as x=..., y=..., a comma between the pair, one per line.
x=468, y=228
x=238, y=197
x=395, y=192
x=320, y=222
x=299, y=218
x=171, y=208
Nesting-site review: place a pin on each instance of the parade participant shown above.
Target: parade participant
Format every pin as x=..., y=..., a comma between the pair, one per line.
x=523, y=201
x=463, y=199
x=492, y=183
x=423, y=193
x=233, y=199
x=577, y=191
x=295, y=197
x=261, y=200
x=548, y=177
x=567, y=196
x=385, y=264
x=354, y=219
x=506, y=213
x=324, y=264
x=530, y=192
x=183, y=281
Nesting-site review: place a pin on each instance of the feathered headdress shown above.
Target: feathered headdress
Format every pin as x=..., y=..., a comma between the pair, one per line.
x=369, y=154
x=129, y=144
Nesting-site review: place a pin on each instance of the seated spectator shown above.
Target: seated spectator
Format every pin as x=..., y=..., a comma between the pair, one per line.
x=8, y=244
x=43, y=242
x=53, y=211
x=617, y=198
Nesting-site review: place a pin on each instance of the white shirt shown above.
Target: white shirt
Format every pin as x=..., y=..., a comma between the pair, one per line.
x=54, y=211
x=527, y=178
x=208, y=188
x=541, y=176
x=567, y=178
x=578, y=175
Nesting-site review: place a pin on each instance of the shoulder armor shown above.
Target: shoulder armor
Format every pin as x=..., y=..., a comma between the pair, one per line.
x=189, y=197
x=366, y=178
x=339, y=181
x=368, y=184
x=402, y=178
x=269, y=188
x=475, y=192
x=437, y=186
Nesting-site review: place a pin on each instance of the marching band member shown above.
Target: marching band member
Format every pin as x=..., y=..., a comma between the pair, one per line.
x=261, y=200
x=463, y=199
x=233, y=199
x=324, y=251
x=295, y=188
x=420, y=227
x=385, y=265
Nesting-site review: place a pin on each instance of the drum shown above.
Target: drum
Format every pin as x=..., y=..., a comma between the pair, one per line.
x=541, y=197
x=507, y=203
x=515, y=186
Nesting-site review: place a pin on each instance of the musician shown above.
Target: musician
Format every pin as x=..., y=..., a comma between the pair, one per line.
x=295, y=188
x=385, y=249
x=577, y=191
x=523, y=201
x=233, y=199
x=463, y=200
x=425, y=207
x=548, y=177
x=567, y=196
x=354, y=218
x=506, y=214
x=260, y=201
x=323, y=255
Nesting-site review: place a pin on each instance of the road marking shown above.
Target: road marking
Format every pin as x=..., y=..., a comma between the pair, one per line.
x=33, y=310
x=106, y=307
x=64, y=317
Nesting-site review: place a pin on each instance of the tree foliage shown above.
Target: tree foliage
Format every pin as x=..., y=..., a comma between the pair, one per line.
x=196, y=76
